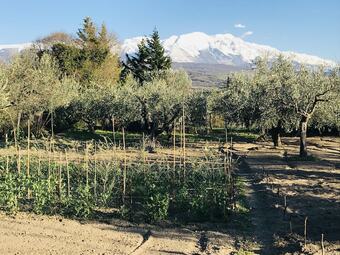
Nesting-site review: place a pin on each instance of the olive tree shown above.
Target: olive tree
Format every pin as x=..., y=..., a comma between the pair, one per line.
x=35, y=87
x=161, y=101
x=231, y=100
x=270, y=95
x=4, y=95
x=197, y=110
x=313, y=90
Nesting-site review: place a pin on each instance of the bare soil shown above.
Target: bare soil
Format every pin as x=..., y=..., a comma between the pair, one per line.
x=310, y=187
x=37, y=234
x=286, y=190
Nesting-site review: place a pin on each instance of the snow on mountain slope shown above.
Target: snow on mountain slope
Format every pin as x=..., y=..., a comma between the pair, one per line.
x=225, y=49
x=7, y=51
x=18, y=47
x=200, y=48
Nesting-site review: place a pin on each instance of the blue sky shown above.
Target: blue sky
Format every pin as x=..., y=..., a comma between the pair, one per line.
x=307, y=26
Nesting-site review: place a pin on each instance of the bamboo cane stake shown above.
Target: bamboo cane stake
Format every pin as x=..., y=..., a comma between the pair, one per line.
x=322, y=245
x=95, y=171
x=19, y=160
x=174, y=147
x=59, y=175
x=86, y=164
x=124, y=172
x=28, y=146
x=184, y=153
x=181, y=142
x=7, y=157
x=113, y=132
x=143, y=150
x=305, y=231
x=68, y=176
x=49, y=166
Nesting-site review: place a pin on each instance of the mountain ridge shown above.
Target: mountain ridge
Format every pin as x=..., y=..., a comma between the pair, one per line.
x=198, y=47
x=201, y=48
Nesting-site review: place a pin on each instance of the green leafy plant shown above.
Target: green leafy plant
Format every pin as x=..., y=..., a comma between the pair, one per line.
x=81, y=204
x=9, y=193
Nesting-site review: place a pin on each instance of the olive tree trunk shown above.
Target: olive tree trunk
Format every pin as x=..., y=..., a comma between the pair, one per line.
x=303, y=136
x=276, y=137
x=276, y=134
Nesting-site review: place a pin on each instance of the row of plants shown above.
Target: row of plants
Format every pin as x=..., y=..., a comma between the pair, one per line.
x=139, y=191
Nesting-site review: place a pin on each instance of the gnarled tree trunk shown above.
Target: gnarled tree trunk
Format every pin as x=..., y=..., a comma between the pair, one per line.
x=303, y=136
x=276, y=134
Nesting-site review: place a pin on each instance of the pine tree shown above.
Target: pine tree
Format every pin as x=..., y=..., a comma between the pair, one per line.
x=103, y=38
x=149, y=62
x=158, y=60
x=138, y=64
x=88, y=34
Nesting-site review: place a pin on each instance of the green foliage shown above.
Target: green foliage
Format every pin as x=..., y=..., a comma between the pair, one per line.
x=42, y=196
x=9, y=194
x=80, y=204
x=161, y=101
x=89, y=57
x=4, y=94
x=157, y=206
x=197, y=114
x=149, y=62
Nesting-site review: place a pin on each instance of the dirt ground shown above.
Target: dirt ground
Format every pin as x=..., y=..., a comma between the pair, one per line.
x=35, y=234
x=286, y=191
x=311, y=188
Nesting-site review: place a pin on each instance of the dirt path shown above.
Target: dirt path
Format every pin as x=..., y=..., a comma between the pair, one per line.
x=34, y=234
x=310, y=188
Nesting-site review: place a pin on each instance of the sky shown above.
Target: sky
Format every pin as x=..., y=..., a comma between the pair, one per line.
x=305, y=26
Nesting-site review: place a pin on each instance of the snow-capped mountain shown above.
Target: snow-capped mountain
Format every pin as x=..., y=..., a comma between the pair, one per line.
x=224, y=49
x=9, y=50
x=200, y=48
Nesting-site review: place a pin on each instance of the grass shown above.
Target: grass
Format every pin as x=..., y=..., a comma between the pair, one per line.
x=216, y=135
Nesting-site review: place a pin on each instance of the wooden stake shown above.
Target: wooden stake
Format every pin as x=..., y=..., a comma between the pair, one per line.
x=184, y=163
x=19, y=160
x=113, y=132
x=124, y=172
x=68, y=176
x=174, y=144
x=143, y=149
x=95, y=171
x=59, y=176
x=86, y=165
x=7, y=157
x=181, y=142
x=28, y=146
x=305, y=231
x=322, y=245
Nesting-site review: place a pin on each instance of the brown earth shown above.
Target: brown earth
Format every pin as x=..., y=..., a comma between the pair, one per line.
x=310, y=187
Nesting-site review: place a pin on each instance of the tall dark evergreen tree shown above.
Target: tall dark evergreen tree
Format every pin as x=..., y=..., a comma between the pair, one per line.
x=138, y=64
x=149, y=62
x=158, y=60
x=88, y=34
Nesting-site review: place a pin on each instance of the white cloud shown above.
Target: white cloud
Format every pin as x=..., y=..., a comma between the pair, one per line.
x=247, y=34
x=239, y=25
